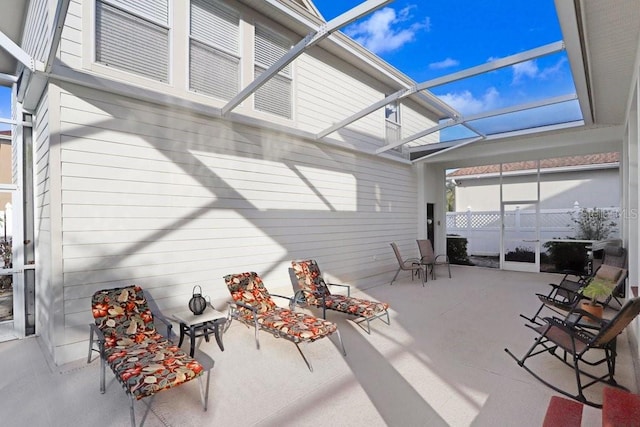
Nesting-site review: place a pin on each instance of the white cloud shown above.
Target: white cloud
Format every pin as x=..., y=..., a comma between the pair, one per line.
x=525, y=69
x=387, y=30
x=467, y=104
x=529, y=69
x=447, y=63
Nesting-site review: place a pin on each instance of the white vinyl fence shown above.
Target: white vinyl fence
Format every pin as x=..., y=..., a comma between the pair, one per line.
x=482, y=228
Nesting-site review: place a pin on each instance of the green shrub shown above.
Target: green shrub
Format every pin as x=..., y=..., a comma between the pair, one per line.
x=567, y=255
x=457, y=250
x=521, y=255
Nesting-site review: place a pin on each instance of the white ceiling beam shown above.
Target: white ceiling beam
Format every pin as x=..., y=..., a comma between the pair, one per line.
x=521, y=107
x=62, y=7
x=573, y=35
x=310, y=40
x=455, y=147
x=507, y=61
x=464, y=120
x=17, y=52
x=7, y=79
x=470, y=72
x=440, y=126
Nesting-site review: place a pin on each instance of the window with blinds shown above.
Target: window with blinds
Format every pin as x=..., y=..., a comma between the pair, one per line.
x=214, y=59
x=393, y=131
x=134, y=36
x=275, y=96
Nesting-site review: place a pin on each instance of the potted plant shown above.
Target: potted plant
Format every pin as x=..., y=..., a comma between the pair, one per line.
x=595, y=290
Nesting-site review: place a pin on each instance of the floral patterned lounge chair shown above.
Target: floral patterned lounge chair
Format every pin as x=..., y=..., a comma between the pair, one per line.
x=143, y=361
x=316, y=293
x=255, y=307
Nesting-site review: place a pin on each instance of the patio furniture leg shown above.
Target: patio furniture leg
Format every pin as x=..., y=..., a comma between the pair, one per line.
x=204, y=392
x=396, y=276
x=304, y=357
x=132, y=414
x=344, y=352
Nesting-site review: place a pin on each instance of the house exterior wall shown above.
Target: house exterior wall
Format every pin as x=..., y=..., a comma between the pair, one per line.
x=167, y=199
x=590, y=188
x=156, y=190
x=326, y=89
x=48, y=297
x=36, y=31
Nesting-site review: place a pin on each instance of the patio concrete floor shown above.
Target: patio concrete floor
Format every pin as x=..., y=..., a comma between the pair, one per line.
x=441, y=362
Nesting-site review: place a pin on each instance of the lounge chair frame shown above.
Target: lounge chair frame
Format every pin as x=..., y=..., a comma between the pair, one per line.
x=237, y=314
x=97, y=343
x=313, y=290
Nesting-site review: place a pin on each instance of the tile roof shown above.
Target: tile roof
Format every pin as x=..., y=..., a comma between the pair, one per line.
x=559, y=162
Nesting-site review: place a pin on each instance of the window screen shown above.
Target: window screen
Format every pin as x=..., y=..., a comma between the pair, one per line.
x=214, y=62
x=275, y=95
x=134, y=36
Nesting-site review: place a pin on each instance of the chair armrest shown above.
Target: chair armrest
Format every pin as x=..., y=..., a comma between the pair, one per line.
x=290, y=299
x=166, y=322
x=243, y=305
x=581, y=275
x=298, y=299
x=579, y=314
x=97, y=331
x=446, y=258
x=344, y=286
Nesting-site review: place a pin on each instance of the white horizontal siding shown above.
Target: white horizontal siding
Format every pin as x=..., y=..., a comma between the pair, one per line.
x=167, y=200
x=325, y=88
x=36, y=30
x=414, y=120
x=44, y=316
x=329, y=90
x=71, y=40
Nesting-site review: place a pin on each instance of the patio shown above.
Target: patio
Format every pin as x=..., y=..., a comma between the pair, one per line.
x=441, y=362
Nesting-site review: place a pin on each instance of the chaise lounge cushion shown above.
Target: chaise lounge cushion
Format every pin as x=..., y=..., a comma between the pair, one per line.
x=248, y=289
x=301, y=325
x=142, y=359
x=310, y=280
x=355, y=306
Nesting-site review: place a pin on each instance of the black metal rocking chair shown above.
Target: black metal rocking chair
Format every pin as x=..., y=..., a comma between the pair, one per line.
x=571, y=340
x=566, y=295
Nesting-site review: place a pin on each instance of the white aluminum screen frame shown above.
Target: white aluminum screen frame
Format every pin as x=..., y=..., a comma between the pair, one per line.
x=276, y=95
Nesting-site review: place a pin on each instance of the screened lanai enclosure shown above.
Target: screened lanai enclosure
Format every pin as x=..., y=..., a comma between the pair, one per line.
x=170, y=143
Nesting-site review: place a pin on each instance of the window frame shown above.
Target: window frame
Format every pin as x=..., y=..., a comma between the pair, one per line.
x=168, y=27
x=222, y=50
x=287, y=73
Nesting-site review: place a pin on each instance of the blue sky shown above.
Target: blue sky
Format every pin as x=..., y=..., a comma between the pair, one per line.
x=429, y=39
x=5, y=106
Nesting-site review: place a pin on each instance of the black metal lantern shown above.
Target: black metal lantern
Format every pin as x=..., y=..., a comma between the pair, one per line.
x=197, y=303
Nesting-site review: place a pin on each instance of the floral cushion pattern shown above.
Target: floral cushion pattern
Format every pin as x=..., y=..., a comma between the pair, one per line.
x=310, y=281
x=299, y=325
x=247, y=288
x=143, y=360
x=356, y=306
